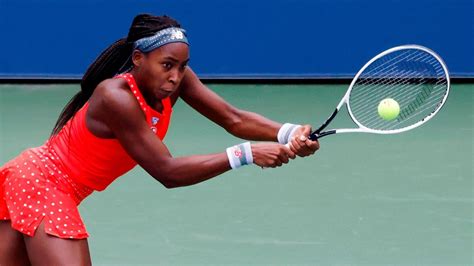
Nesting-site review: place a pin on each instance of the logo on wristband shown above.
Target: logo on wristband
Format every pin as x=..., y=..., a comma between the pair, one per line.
x=239, y=155
x=237, y=152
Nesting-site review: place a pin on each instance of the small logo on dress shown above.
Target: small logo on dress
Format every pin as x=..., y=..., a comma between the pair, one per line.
x=154, y=129
x=154, y=120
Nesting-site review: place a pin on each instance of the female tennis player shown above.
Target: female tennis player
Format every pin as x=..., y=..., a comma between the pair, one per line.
x=118, y=120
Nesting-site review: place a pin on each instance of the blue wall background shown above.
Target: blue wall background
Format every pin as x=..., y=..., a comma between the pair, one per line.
x=238, y=38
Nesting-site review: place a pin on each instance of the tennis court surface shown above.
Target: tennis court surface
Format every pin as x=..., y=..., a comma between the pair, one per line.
x=363, y=199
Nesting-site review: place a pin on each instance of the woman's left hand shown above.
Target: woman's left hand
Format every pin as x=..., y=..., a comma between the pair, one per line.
x=300, y=144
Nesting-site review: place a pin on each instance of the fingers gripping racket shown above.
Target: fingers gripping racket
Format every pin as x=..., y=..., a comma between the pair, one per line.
x=397, y=90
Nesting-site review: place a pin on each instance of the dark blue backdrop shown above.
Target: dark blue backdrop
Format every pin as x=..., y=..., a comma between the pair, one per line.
x=238, y=38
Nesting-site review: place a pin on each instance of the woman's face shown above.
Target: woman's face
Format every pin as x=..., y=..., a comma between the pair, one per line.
x=159, y=72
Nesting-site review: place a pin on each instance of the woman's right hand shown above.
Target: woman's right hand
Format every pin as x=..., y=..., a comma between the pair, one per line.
x=271, y=154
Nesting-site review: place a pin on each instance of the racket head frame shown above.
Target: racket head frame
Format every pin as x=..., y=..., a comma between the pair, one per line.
x=319, y=133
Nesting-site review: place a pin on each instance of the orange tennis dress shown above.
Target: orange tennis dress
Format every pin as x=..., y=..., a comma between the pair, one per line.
x=47, y=183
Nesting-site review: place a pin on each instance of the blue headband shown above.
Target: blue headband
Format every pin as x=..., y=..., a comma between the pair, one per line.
x=162, y=37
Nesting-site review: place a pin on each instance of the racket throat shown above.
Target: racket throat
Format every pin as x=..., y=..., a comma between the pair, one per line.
x=316, y=136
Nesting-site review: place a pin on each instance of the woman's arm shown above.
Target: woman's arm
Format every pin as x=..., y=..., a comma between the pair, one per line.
x=240, y=123
x=129, y=126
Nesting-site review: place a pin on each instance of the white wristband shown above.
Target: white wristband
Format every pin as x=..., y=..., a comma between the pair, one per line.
x=286, y=132
x=240, y=155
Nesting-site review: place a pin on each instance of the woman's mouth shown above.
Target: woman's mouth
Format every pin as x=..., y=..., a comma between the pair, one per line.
x=164, y=92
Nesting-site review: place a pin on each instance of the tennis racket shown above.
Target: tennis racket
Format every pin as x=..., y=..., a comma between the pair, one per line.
x=413, y=76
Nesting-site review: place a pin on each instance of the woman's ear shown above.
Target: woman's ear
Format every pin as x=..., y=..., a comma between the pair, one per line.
x=137, y=57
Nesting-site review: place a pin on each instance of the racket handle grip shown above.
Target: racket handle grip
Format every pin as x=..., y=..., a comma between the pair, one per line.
x=316, y=136
x=313, y=136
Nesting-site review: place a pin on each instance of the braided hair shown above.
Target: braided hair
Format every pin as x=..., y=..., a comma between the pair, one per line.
x=111, y=61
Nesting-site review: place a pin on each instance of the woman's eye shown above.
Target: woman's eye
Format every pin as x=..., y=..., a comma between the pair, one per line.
x=167, y=66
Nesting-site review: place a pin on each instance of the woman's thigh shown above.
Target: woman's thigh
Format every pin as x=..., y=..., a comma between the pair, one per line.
x=44, y=249
x=12, y=246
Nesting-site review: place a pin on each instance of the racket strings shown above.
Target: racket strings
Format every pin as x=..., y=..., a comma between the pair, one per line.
x=373, y=120
x=389, y=74
x=403, y=85
x=408, y=115
x=391, y=78
x=377, y=67
x=414, y=78
x=413, y=118
x=400, y=95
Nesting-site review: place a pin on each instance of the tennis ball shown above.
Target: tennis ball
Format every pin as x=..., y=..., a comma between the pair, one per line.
x=388, y=109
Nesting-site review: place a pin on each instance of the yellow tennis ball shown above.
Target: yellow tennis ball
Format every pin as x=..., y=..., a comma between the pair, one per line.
x=388, y=109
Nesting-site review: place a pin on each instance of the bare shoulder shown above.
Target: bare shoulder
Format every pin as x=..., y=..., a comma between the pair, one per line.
x=113, y=93
x=111, y=99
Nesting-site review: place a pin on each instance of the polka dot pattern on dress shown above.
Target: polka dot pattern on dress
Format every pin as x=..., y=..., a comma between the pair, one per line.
x=34, y=187
x=36, y=190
